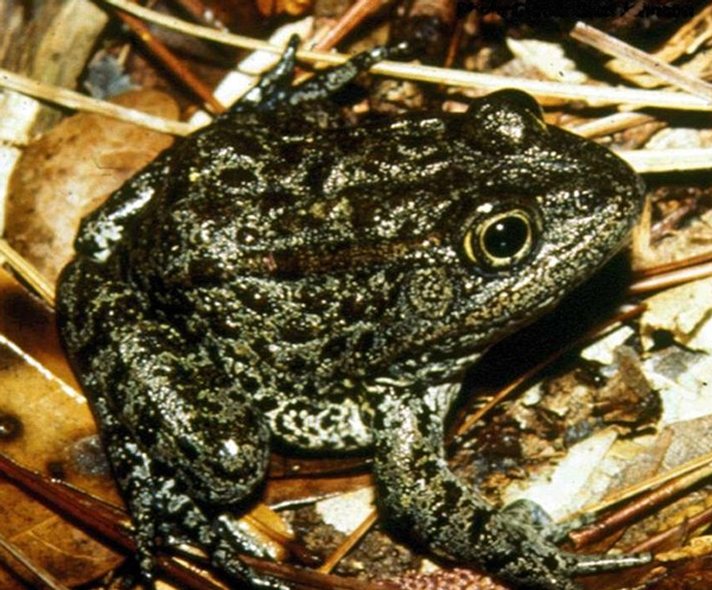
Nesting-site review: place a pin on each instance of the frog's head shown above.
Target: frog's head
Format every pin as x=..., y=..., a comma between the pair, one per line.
x=536, y=210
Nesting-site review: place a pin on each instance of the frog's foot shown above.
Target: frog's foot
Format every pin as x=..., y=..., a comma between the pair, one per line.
x=326, y=82
x=160, y=508
x=274, y=87
x=183, y=521
x=228, y=538
x=518, y=545
x=132, y=468
x=527, y=511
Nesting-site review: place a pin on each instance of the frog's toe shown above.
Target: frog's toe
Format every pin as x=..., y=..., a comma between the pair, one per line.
x=274, y=85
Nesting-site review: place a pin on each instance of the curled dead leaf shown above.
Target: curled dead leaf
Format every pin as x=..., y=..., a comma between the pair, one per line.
x=70, y=170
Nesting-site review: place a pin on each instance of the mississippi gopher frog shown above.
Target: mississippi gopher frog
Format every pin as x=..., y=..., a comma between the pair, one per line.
x=285, y=275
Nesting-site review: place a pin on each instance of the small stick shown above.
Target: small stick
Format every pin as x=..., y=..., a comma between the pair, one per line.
x=170, y=61
x=661, y=70
x=75, y=100
x=41, y=575
x=640, y=507
x=358, y=11
x=348, y=543
x=27, y=272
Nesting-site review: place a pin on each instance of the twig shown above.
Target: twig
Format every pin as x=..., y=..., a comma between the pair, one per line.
x=682, y=159
x=610, y=124
x=358, y=11
x=27, y=272
x=673, y=266
x=642, y=487
x=661, y=70
x=644, y=505
x=588, y=93
x=701, y=519
x=170, y=61
x=75, y=100
x=671, y=279
x=40, y=574
x=348, y=543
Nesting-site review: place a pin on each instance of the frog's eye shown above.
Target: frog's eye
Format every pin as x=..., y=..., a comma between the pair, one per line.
x=501, y=240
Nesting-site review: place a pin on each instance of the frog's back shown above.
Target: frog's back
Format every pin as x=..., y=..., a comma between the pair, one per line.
x=296, y=240
x=333, y=253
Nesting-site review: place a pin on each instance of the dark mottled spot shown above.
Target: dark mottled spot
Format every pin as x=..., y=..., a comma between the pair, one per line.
x=453, y=493
x=289, y=153
x=275, y=200
x=315, y=300
x=204, y=271
x=188, y=448
x=263, y=350
x=334, y=348
x=552, y=561
x=249, y=384
x=430, y=469
x=288, y=265
x=298, y=332
x=364, y=215
x=147, y=431
x=365, y=341
x=309, y=390
x=316, y=175
x=353, y=307
x=244, y=142
x=267, y=404
x=297, y=365
x=235, y=177
x=11, y=427
x=56, y=470
x=211, y=405
x=254, y=299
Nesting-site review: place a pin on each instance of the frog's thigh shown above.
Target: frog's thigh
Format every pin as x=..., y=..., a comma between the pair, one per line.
x=187, y=415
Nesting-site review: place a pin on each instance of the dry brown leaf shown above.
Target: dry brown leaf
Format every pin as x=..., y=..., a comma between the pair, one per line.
x=70, y=170
x=29, y=323
x=48, y=428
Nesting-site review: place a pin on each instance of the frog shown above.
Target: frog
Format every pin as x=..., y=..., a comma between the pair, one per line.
x=288, y=277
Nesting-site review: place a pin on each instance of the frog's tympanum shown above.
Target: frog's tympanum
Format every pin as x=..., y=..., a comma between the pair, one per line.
x=285, y=275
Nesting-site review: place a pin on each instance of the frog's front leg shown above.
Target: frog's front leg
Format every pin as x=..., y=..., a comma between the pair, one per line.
x=425, y=501
x=184, y=443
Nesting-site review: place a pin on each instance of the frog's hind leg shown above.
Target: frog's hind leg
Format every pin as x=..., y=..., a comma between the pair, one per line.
x=422, y=497
x=184, y=443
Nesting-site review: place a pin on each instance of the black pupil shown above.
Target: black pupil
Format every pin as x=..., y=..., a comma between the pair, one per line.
x=506, y=237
